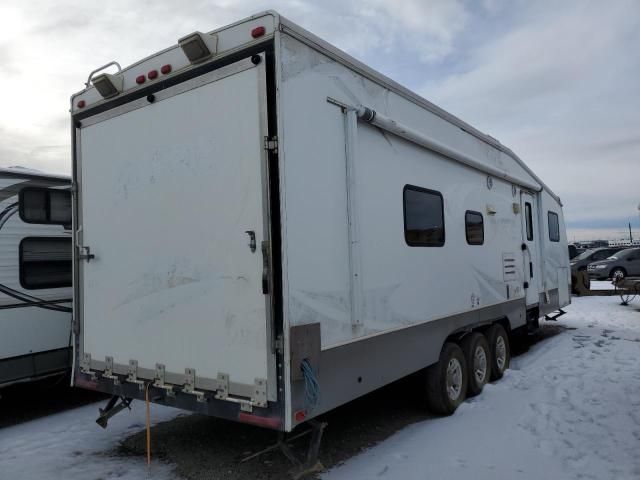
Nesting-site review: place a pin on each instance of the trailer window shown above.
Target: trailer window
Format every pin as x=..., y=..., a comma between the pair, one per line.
x=554, y=227
x=529, y=220
x=423, y=217
x=45, y=262
x=474, y=227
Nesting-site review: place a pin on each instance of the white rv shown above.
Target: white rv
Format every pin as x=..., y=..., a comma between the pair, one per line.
x=35, y=280
x=267, y=228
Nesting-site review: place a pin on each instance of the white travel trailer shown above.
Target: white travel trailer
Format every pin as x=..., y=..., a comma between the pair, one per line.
x=267, y=228
x=35, y=282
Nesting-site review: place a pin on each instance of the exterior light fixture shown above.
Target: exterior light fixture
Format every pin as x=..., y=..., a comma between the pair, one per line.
x=108, y=85
x=198, y=46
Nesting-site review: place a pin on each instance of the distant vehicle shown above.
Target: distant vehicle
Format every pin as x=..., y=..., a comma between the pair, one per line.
x=35, y=276
x=573, y=251
x=260, y=231
x=589, y=256
x=620, y=265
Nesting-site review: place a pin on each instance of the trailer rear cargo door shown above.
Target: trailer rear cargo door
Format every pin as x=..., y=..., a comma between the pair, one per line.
x=172, y=207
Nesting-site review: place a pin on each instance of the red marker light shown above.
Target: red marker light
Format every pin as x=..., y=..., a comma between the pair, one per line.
x=258, y=32
x=81, y=104
x=300, y=415
x=165, y=69
x=152, y=74
x=140, y=79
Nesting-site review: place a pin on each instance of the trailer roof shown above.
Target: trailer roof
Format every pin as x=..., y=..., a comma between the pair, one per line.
x=25, y=172
x=316, y=42
x=290, y=28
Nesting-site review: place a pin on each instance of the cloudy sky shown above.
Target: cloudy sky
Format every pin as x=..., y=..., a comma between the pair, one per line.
x=558, y=82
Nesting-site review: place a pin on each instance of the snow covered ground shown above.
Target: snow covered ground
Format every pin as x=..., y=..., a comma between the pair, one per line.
x=602, y=285
x=569, y=408
x=70, y=446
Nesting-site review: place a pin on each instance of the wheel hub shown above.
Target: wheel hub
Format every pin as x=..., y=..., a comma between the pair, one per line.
x=501, y=353
x=454, y=379
x=480, y=365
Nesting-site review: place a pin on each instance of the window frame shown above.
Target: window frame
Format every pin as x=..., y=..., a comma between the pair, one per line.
x=466, y=225
x=21, y=263
x=415, y=188
x=551, y=214
x=528, y=222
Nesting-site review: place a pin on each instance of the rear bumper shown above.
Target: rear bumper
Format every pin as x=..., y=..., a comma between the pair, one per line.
x=271, y=417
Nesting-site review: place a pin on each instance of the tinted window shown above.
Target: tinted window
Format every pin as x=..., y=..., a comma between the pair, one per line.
x=554, y=227
x=45, y=262
x=474, y=228
x=423, y=217
x=529, y=220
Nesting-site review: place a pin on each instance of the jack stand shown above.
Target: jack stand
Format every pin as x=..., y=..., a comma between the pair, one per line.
x=311, y=463
x=111, y=409
x=555, y=317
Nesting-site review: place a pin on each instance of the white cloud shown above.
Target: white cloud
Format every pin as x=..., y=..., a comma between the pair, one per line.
x=48, y=48
x=560, y=86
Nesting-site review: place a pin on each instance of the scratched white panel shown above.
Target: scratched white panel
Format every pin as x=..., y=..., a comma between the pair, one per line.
x=169, y=191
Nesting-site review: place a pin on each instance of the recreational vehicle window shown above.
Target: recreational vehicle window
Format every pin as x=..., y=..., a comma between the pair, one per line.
x=45, y=262
x=423, y=217
x=474, y=227
x=44, y=206
x=527, y=212
x=554, y=227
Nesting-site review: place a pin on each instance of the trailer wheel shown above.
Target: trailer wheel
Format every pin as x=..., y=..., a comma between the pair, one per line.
x=446, y=381
x=478, y=356
x=500, y=351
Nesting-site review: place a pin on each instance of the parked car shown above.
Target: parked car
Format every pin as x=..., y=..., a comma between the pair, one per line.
x=624, y=263
x=592, y=255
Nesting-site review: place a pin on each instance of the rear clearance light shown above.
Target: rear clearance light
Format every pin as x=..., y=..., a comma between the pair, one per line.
x=140, y=79
x=258, y=32
x=108, y=85
x=165, y=69
x=152, y=74
x=300, y=415
x=81, y=104
x=198, y=46
x=266, y=422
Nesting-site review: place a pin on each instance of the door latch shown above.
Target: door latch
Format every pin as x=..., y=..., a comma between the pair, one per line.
x=252, y=240
x=88, y=256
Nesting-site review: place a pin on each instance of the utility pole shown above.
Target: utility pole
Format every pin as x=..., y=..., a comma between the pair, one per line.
x=630, y=236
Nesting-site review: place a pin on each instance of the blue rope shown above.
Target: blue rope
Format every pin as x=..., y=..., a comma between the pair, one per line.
x=311, y=386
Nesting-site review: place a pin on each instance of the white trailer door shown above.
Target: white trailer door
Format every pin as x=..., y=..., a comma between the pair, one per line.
x=171, y=201
x=530, y=237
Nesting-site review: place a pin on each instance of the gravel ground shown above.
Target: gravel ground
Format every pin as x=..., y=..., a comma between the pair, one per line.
x=206, y=448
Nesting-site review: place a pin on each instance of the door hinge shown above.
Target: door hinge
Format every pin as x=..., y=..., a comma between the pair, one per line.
x=88, y=256
x=265, y=267
x=271, y=144
x=278, y=344
x=526, y=285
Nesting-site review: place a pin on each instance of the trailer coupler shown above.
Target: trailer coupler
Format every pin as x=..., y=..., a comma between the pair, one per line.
x=112, y=409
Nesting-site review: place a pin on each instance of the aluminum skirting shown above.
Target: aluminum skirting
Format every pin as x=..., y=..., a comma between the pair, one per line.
x=34, y=366
x=355, y=369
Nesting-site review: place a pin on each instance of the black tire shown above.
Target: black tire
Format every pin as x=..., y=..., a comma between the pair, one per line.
x=618, y=272
x=478, y=357
x=500, y=358
x=440, y=399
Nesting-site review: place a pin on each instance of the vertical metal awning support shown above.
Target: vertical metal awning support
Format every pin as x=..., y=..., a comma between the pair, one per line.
x=355, y=280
